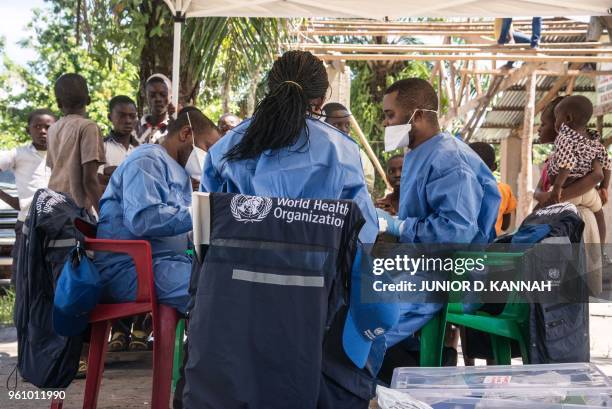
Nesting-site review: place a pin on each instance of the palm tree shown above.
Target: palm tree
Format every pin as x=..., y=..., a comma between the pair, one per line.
x=244, y=43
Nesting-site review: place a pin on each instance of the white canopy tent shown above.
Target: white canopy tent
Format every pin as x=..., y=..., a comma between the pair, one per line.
x=388, y=8
x=391, y=9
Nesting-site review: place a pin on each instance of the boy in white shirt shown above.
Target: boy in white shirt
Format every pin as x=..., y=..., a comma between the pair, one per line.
x=121, y=140
x=28, y=163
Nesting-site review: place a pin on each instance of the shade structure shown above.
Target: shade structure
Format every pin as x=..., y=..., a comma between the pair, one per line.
x=384, y=9
x=388, y=8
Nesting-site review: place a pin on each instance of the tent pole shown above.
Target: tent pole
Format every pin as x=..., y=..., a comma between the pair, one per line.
x=368, y=150
x=176, y=60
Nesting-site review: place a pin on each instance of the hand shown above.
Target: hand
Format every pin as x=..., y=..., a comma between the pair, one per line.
x=544, y=198
x=603, y=194
x=381, y=203
x=391, y=224
x=552, y=197
x=195, y=184
x=386, y=206
x=555, y=195
x=108, y=171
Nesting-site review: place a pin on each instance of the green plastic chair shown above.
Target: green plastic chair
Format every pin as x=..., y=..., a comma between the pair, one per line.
x=511, y=324
x=432, y=341
x=178, y=353
x=178, y=343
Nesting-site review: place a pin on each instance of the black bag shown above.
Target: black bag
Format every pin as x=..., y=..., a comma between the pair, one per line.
x=273, y=278
x=45, y=359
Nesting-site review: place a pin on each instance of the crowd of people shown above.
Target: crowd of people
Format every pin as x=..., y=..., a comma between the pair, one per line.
x=139, y=180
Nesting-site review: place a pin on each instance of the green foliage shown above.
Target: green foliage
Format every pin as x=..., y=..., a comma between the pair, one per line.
x=541, y=152
x=104, y=61
x=368, y=110
x=231, y=55
x=7, y=304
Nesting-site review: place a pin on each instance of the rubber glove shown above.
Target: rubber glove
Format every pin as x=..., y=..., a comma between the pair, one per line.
x=388, y=224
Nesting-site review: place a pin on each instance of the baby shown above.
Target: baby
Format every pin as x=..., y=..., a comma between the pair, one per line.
x=577, y=151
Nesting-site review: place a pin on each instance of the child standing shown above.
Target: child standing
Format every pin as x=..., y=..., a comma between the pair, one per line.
x=577, y=151
x=154, y=126
x=75, y=147
x=28, y=164
x=121, y=140
x=508, y=200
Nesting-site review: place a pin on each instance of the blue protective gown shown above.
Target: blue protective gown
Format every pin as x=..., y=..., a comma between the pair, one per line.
x=326, y=165
x=447, y=195
x=148, y=197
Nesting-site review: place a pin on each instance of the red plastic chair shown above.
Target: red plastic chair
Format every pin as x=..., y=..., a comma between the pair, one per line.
x=164, y=322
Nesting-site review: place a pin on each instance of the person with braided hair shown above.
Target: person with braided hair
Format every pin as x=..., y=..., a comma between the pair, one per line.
x=285, y=151
x=282, y=151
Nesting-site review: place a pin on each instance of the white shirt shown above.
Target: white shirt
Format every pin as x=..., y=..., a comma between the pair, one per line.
x=115, y=153
x=152, y=134
x=31, y=173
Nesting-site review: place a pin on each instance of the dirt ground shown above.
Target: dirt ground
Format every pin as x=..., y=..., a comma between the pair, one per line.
x=127, y=383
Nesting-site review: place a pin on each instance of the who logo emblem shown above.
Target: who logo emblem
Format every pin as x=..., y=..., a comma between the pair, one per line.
x=250, y=208
x=554, y=273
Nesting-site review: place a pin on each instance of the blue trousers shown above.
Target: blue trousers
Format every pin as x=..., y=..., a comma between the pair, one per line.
x=521, y=38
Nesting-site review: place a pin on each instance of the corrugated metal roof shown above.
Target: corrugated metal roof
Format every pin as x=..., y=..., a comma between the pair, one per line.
x=505, y=113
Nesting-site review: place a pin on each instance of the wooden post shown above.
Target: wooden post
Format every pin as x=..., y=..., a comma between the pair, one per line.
x=464, y=79
x=453, y=82
x=370, y=152
x=570, y=86
x=440, y=78
x=434, y=71
x=525, y=188
x=477, y=84
x=600, y=125
x=504, y=83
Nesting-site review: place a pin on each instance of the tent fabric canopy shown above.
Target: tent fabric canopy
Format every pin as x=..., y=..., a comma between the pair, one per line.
x=369, y=9
x=389, y=8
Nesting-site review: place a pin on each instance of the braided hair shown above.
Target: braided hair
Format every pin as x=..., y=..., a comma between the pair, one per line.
x=295, y=78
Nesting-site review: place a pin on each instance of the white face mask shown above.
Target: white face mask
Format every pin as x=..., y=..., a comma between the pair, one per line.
x=398, y=136
x=197, y=157
x=200, y=154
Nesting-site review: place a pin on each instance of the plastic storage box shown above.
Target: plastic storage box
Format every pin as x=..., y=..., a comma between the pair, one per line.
x=573, y=375
x=552, y=386
x=449, y=399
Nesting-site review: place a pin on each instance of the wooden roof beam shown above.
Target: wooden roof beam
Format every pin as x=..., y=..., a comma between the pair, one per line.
x=516, y=130
x=470, y=57
x=425, y=32
x=549, y=20
x=467, y=45
x=550, y=73
x=504, y=84
x=521, y=88
x=502, y=108
x=428, y=48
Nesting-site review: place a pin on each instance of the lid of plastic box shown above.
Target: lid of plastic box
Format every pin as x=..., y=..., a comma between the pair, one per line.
x=570, y=375
x=515, y=398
